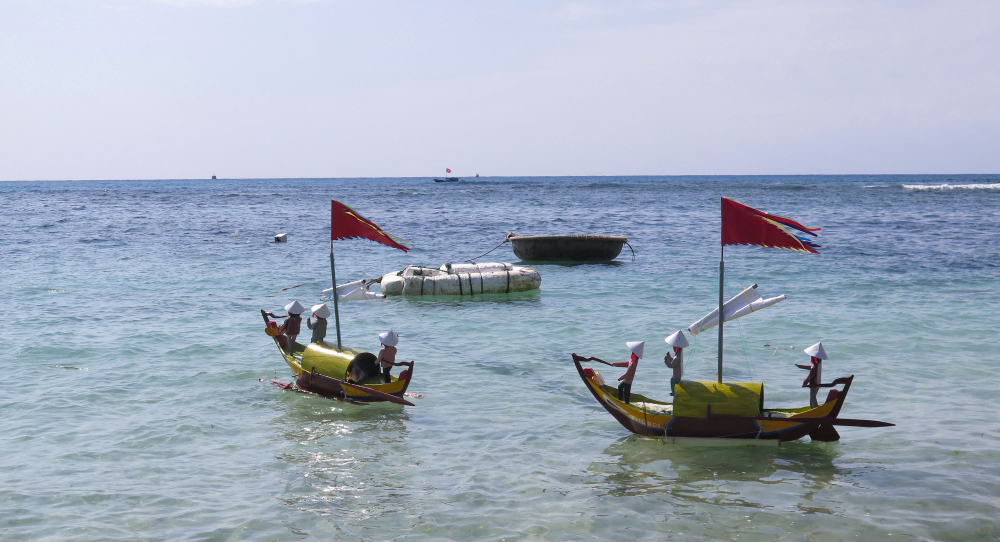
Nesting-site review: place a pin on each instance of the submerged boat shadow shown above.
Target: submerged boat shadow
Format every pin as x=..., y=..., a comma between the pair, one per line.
x=638, y=466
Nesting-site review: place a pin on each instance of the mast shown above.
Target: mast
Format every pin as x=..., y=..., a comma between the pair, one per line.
x=722, y=274
x=336, y=310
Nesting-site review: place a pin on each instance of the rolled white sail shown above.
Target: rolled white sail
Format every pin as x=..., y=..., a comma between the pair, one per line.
x=742, y=304
x=352, y=291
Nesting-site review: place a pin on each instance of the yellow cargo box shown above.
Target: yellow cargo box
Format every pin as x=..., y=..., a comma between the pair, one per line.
x=692, y=398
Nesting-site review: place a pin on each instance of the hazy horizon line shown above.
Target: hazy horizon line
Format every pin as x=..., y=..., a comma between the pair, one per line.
x=506, y=177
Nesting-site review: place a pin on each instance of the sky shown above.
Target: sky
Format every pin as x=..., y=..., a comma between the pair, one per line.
x=150, y=89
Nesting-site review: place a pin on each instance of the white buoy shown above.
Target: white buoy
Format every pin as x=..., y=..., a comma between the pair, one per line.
x=281, y=238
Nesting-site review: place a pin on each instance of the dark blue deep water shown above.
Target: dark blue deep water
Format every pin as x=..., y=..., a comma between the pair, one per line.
x=136, y=377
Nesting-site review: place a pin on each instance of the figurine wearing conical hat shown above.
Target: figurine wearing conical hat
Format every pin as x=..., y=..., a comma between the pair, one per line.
x=817, y=355
x=625, y=380
x=321, y=312
x=679, y=342
x=387, y=355
x=292, y=325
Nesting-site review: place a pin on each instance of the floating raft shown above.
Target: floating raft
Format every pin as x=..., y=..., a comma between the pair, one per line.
x=567, y=248
x=461, y=279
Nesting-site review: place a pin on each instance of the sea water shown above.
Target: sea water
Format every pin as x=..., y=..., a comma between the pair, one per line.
x=137, y=401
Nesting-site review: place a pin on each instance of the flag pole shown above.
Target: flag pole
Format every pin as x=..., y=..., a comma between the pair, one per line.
x=336, y=310
x=722, y=273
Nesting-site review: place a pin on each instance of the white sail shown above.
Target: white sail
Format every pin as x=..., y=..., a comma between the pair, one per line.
x=742, y=304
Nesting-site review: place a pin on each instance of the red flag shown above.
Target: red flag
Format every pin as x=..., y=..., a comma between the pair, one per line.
x=447, y=170
x=743, y=225
x=346, y=223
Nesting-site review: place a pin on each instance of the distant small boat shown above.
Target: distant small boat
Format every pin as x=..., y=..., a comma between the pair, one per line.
x=213, y=177
x=447, y=179
x=567, y=248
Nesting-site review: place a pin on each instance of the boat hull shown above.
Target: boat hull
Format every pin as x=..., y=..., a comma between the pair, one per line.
x=654, y=418
x=567, y=248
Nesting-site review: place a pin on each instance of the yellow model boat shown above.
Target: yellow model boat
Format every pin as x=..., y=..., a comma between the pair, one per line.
x=346, y=374
x=339, y=372
x=707, y=409
x=732, y=410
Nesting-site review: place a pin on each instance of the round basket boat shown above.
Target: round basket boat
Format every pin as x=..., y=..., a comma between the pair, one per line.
x=567, y=248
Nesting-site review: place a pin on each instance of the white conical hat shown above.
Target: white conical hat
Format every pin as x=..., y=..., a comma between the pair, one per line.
x=636, y=347
x=816, y=351
x=294, y=308
x=677, y=339
x=321, y=311
x=388, y=338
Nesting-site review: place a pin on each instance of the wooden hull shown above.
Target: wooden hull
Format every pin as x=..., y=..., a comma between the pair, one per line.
x=567, y=248
x=649, y=417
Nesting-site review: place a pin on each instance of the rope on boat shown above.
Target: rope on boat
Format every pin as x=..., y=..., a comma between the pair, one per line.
x=506, y=240
x=751, y=370
x=632, y=249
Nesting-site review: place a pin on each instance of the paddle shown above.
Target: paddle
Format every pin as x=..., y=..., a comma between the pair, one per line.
x=597, y=360
x=829, y=421
x=375, y=393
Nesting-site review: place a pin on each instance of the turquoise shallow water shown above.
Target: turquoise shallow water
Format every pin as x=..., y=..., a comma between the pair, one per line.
x=137, y=402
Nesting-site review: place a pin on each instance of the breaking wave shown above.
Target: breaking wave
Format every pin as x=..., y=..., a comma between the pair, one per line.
x=990, y=186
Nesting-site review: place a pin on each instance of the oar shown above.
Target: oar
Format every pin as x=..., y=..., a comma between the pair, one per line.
x=599, y=360
x=375, y=393
x=830, y=421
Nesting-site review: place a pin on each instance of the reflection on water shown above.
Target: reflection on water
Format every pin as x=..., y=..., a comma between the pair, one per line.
x=540, y=265
x=344, y=459
x=529, y=297
x=640, y=466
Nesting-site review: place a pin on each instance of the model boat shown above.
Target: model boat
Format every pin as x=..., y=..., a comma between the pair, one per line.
x=335, y=371
x=733, y=410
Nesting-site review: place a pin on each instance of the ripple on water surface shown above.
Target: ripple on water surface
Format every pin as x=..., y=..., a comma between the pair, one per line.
x=139, y=402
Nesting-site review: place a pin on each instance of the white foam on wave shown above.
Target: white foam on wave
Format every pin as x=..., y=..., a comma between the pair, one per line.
x=991, y=186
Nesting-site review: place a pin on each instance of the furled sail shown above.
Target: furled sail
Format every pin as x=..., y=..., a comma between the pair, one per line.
x=742, y=304
x=351, y=291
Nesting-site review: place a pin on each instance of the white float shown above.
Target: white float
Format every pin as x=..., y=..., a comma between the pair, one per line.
x=461, y=279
